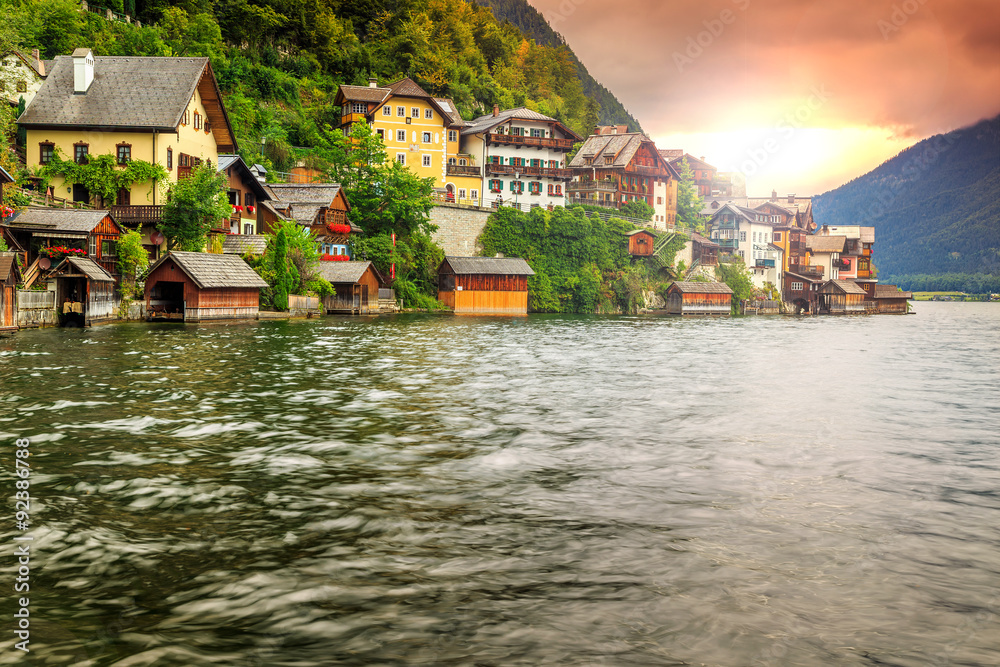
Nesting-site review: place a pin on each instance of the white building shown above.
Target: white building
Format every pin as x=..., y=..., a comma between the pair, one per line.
x=523, y=154
x=749, y=234
x=21, y=76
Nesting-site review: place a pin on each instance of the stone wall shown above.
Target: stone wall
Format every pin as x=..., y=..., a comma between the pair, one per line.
x=458, y=228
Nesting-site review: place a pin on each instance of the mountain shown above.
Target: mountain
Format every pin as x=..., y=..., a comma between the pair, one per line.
x=935, y=206
x=531, y=22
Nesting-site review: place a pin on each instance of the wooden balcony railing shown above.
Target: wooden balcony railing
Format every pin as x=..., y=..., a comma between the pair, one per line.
x=806, y=271
x=586, y=186
x=464, y=170
x=133, y=214
x=537, y=142
x=509, y=170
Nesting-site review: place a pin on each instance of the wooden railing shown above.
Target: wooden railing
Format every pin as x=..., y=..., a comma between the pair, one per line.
x=463, y=170
x=538, y=142
x=604, y=186
x=144, y=213
x=510, y=170
x=30, y=274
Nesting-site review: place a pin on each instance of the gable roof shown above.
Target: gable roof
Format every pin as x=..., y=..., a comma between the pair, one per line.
x=639, y=231
x=304, y=193
x=691, y=160
x=139, y=93
x=502, y=266
x=620, y=147
x=239, y=244
x=343, y=272
x=451, y=110
x=487, y=122
x=227, y=161
x=8, y=266
x=79, y=221
x=701, y=288
x=209, y=271
x=91, y=269
x=845, y=286
x=891, y=292
x=826, y=243
x=360, y=94
x=701, y=240
x=36, y=66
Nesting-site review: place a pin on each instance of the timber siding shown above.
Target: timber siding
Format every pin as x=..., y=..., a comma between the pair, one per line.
x=484, y=285
x=203, y=287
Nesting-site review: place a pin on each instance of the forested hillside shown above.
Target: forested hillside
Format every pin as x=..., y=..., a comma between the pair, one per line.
x=935, y=206
x=279, y=62
x=531, y=22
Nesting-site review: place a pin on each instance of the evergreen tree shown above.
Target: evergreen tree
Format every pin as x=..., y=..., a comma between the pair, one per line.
x=689, y=203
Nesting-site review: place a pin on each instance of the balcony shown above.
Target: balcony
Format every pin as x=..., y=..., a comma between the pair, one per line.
x=464, y=170
x=131, y=215
x=728, y=244
x=806, y=271
x=764, y=263
x=656, y=172
x=508, y=170
x=537, y=142
x=349, y=119
x=589, y=186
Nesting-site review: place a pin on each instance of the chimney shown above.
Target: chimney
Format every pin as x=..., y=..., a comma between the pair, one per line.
x=791, y=198
x=83, y=70
x=373, y=83
x=774, y=195
x=496, y=110
x=39, y=65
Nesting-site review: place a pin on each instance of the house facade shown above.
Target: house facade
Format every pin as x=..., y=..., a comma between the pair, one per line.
x=166, y=111
x=694, y=298
x=246, y=194
x=21, y=76
x=703, y=174
x=613, y=169
x=856, y=261
x=323, y=208
x=523, y=154
x=419, y=130
x=749, y=234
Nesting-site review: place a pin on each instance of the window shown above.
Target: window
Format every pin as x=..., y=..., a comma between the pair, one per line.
x=463, y=162
x=461, y=193
x=777, y=237
x=248, y=199
x=415, y=112
x=796, y=287
x=358, y=107
x=22, y=87
x=170, y=159
x=186, y=118
x=609, y=159
x=516, y=187
x=400, y=111
x=743, y=237
x=517, y=131
x=109, y=248
x=401, y=136
x=248, y=228
x=474, y=195
x=208, y=126
x=551, y=189
x=426, y=137
x=496, y=185
x=381, y=133
x=401, y=158
x=659, y=200
x=387, y=110
x=428, y=114
x=197, y=120
x=124, y=197
x=559, y=190
x=452, y=135
x=451, y=161
x=535, y=188
x=80, y=152
x=124, y=153
x=426, y=160
x=92, y=246
x=45, y=152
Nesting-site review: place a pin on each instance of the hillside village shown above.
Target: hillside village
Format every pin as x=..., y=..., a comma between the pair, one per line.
x=108, y=146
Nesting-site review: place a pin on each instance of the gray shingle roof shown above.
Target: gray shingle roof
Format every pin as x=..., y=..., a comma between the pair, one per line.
x=891, y=292
x=407, y=87
x=701, y=288
x=343, y=272
x=503, y=266
x=303, y=193
x=149, y=93
x=239, y=244
x=91, y=269
x=826, y=243
x=60, y=219
x=845, y=286
x=449, y=106
x=8, y=264
x=364, y=93
x=208, y=270
x=620, y=147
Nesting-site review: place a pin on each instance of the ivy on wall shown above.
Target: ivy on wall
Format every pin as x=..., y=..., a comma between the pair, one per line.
x=102, y=175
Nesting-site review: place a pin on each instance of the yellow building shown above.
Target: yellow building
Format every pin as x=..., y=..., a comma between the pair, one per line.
x=419, y=131
x=167, y=111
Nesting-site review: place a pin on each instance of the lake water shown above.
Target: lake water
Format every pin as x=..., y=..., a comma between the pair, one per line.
x=550, y=490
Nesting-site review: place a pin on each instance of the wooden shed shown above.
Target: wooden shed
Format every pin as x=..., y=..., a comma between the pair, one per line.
x=641, y=242
x=356, y=285
x=199, y=286
x=85, y=292
x=841, y=297
x=704, y=251
x=10, y=276
x=484, y=285
x=691, y=298
x=891, y=299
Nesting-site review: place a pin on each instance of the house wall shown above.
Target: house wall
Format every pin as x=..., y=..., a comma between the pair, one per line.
x=507, y=153
x=414, y=147
x=643, y=247
x=240, y=220
x=229, y=303
x=475, y=302
x=18, y=74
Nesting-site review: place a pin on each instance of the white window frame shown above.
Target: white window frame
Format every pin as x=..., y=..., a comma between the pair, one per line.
x=386, y=110
x=474, y=195
x=401, y=158
x=428, y=114
x=426, y=160
x=401, y=136
x=401, y=111
x=426, y=137
x=452, y=135
x=797, y=286
x=461, y=193
x=415, y=112
x=358, y=107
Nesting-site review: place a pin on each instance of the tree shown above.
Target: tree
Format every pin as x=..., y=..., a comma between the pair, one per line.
x=282, y=275
x=290, y=263
x=735, y=275
x=197, y=204
x=689, y=204
x=638, y=209
x=131, y=256
x=385, y=196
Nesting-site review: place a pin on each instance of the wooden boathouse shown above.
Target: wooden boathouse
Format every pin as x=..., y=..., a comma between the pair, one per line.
x=841, y=297
x=356, y=286
x=200, y=286
x=10, y=276
x=85, y=292
x=692, y=298
x=484, y=285
x=891, y=299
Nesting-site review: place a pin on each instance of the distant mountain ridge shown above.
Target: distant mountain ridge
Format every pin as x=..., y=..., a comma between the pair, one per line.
x=532, y=23
x=935, y=206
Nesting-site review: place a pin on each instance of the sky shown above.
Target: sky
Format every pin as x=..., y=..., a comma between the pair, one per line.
x=799, y=95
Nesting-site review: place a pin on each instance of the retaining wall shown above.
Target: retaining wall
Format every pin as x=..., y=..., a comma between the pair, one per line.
x=458, y=228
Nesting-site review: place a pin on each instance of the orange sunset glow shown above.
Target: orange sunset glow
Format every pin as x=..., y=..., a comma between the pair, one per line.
x=799, y=96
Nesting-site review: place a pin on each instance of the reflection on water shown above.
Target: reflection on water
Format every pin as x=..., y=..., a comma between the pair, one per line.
x=549, y=490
